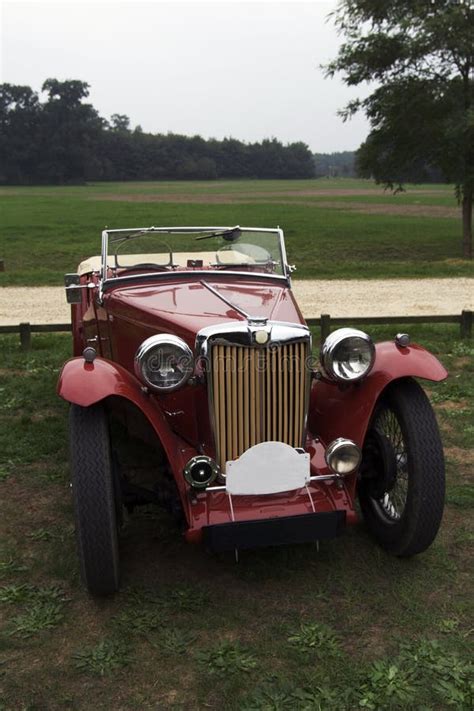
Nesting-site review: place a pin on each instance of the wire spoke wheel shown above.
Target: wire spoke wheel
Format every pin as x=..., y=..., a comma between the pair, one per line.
x=392, y=503
x=401, y=490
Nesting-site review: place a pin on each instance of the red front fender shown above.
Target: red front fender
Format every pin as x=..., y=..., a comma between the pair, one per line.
x=345, y=411
x=85, y=384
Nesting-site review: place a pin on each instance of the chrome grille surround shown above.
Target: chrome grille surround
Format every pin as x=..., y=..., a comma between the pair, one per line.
x=257, y=392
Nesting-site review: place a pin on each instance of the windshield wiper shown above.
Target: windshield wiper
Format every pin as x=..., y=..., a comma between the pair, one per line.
x=231, y=235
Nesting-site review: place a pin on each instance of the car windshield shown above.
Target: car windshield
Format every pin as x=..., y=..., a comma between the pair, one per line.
x=217, y=248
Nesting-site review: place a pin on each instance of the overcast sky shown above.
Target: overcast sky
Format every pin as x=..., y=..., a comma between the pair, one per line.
x=244, y=69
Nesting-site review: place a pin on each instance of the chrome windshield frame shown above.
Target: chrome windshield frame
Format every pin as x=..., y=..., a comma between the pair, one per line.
x=190, y=230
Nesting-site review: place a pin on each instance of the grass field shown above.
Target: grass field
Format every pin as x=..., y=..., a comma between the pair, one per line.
x=348, y=628
x=333, y=228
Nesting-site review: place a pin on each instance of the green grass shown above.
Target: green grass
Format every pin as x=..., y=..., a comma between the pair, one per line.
x=46, y=231
x=38, y=617
x=102, y=659
x=229, y=187
x=285, y=628
x=315, y=638
x=226, y=658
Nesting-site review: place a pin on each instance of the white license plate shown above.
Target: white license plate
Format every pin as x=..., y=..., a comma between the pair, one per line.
x=267, y=468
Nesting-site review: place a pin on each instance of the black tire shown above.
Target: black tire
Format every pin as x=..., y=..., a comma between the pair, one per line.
x=95, y=499
x=402, y=486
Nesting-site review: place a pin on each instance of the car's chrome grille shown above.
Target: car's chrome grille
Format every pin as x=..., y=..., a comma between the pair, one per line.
x=258, y=395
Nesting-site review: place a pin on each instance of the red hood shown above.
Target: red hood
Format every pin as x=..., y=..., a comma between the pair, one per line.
x=185, y=308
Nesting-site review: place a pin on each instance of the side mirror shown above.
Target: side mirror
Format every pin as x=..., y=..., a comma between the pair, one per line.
x=73, y=290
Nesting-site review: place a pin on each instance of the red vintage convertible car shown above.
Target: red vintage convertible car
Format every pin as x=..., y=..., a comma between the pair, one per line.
x=189, y=341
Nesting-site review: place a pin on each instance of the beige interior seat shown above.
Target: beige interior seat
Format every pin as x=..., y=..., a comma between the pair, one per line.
x=180, y=259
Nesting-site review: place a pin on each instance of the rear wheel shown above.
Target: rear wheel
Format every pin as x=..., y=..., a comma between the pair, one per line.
x=402, y=485
x=96, y=498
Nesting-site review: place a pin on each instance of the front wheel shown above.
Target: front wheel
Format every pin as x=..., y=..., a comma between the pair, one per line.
x=95, y=498
x=402, y=485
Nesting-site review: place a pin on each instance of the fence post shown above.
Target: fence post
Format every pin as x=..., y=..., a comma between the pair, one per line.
x=466, y=324
x=25, y=336
x=325, y=326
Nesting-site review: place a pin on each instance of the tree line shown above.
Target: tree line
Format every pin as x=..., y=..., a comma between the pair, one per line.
x=352, y=164
x=419, y=54
x=63, y=140
x=340, y=164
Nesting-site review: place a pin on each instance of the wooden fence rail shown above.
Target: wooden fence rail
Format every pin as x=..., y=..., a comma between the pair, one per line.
x=26, y=329
x=464, y=319
x=325, y=322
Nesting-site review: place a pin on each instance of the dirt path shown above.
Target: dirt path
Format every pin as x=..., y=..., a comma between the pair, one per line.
x=389, y=297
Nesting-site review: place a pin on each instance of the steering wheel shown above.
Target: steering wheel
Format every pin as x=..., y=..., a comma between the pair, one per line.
x=147, y=265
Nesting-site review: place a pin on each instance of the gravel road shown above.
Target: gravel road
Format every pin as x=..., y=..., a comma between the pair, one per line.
x=384, y=297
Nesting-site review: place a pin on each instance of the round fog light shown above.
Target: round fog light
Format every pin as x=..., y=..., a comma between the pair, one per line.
x=343, y=456
x=200, y=471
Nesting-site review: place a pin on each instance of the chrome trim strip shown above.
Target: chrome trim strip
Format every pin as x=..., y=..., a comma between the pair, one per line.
x=284, y=258
x=103, y=265
x=191, y=229
x=308, y=391
x=319, y=477
x=134, y=278
x=241, y=333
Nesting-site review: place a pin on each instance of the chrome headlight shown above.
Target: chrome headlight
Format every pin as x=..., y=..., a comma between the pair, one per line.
x=164, y=363
x=347, y=354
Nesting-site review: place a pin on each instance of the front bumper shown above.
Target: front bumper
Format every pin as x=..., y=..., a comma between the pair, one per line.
x=279, y=531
